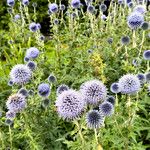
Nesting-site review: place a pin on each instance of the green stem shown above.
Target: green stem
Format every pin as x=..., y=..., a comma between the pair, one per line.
x=96, y=138
x=10, y=136
x=134, y=39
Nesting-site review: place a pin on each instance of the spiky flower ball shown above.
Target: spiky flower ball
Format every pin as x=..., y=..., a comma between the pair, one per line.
x=75, y=3
x=106, y=108
x=140, y=9
x=129, y=84
x=17, y=17
x=10, y=114
x=23, y=91
x=33, y=27
x=46, y=102
x=10, y=83
x=146, y=55
x=53, y=8
x=145, y=25
x=16, y=102
x=62, y=7
x=31, y=65
x=125, y=40
x=141, y=77
x=52, y=78
x=10, y=3
x=135, y=20
x=20, y=74
x=70, y=104
x=62, y=88
x=103, y=7
x=94, y=91
x=111, y=100
x=25, y=2
x=147, y=75
x=94, y=119
x=91, y=9
x=115, y=88
x=44, y=90
x=32, y=52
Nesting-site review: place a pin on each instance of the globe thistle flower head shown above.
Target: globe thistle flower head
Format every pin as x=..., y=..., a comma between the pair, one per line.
x=38, y=26
x=32, y=52
x=44, y=90
x=32, y=65
x=125, y=40
x=17, y=17
x=106, y=108
x=53, y=8
x=140, y=9
x=130, y=5
x=25, y=2
x=90, y=51
x=31, y=92
x=10, y=115
x=62, y=7
x=141, y=77
x=110, y=40
x=45, y=102
x=42, y=37
x=129, y=84
x=73, y=15
x=120, y=2
x=70, y=104
x=52, y=78
x=10, y=3
x=111, y=100
x=10, y=83
x=16, y=102
x=20, y=74
x=26, y=59
x=91, y=9
x=103, y=17
x=135, y=20
x=146, y=55
x=147, y=76
x=94, y=91
x=56, y=21
x=115, y=88
x=103, y=7
x=9, y=122
x=34, y=4
x=94, y=119
x=23, y=91
x=145, y=25
x=128, y=1
x=75, y=3
x=62, y=88
x=33, y=27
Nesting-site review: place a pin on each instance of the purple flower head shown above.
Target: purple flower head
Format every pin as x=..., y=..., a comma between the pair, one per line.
x=91, y=9
x=140, y=9
x=23, y=91
x=94, y=119
x=75, y=3
x=10, y=115
x=111, y=100
x=61, y=89
x=10, y=3
x=70, y=104
x=103, y=7
x=25, y=2
x=94, y=91
x=52, y=78
x=16, y=102
x=32, y=65
x=146, y=55
x=44, y=90
x=20, y=74
x=62, y=7
x=33, y=27
x=129, y=84
x=32, y=52
x=17, y=17
x=53, y=8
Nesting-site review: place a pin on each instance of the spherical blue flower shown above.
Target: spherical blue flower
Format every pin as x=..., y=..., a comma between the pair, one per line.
x=94, y=91
x=128, y=1
x=23, y=91
x=103, y=7
x=20, y=74
x=10, y=3
x=62, y=7
x=94, y=119
x=147, y=75
x=52, y=78
x=129, y=84
x=91, y=9
x=110, y=40
x=111, y=100
x=62, y=88
x=26, y=59
x=140, y=9
x=45, y=102
x=42, y=38
x=31, y=65
x=73, y=15
x=70, y=104
x=16, y=102
x=130, y=5
x=75, y=3
x=10, y=83
x=145, y=25
x=10, y=114
x=17, y=17
x=135, y=20
x=106, y=108
x=9, y=122
x=25, y=2
x=33, y=27
x=38, y=26
x=125, y=40
x=56, y=21
x=53, y=8
x=120, y=2
x=32, y=52
x=103, y=17
x=44, y=90
x=141, y=77
x=115, y=88
x=146, y=55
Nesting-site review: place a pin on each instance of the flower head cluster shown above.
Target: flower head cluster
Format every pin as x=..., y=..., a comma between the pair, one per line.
x=129, y=84
x=52, y=78
x=16, y=103
x=10, y=3
x=125, y=40
x=31, y=65
x=135, y=20
x=44, y=90
x=115, y=88
x=33, y=27
x=103, y=7
x=25, y=2
x=32, y=52
x=111, y=100
x=70, y=104
x=53, y=8
x=94, y=119
x=62, y=7
x=20, y=74
x=94, y=91
x=91, y=9
x=146, y=55
x=75, y=3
